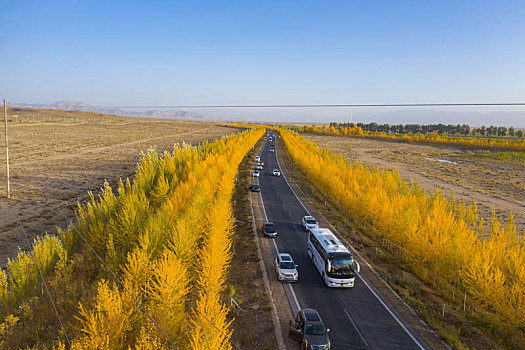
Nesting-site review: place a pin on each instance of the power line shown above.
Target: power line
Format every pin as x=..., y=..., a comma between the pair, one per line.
x=336, y=105
x=45, y=284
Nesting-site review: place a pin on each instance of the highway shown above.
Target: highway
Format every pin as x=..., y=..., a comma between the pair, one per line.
x=358, y=317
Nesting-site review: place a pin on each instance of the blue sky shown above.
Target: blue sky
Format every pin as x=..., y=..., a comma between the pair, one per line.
x=262, y=52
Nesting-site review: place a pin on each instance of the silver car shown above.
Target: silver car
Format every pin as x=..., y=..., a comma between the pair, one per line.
x=309, y=223
x=285, y=268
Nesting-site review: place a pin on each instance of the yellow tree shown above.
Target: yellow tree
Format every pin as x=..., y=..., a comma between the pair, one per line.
x=210, y=326
x=106, y=325
x=168, y=291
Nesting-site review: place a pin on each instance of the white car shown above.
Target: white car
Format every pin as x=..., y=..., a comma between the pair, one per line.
x=272, y=149
x=257, y=158
x=285, y=268
x=256, y=173
x=309, y=222
x=276, y=172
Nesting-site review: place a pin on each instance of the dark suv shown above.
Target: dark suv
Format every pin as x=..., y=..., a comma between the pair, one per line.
x=309, y=329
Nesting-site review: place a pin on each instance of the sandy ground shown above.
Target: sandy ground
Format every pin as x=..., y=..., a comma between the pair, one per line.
x=54, y=165
x=491, y=184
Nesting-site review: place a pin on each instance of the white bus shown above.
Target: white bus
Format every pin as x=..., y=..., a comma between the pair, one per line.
x=334, y=262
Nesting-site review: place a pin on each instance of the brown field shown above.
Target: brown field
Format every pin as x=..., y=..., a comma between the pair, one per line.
x=59, y=157
x=493, y=185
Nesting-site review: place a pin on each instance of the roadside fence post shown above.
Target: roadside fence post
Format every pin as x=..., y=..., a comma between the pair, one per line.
x=6, y=150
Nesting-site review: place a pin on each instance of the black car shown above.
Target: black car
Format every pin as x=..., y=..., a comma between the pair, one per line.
x=254, y=188
x=269, y=229
x=310, y=330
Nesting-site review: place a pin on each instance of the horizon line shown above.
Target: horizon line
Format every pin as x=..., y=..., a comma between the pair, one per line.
x=326, y=105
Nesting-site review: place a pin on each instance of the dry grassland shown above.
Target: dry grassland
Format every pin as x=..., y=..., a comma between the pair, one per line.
x=491, y=184
x=59, y=157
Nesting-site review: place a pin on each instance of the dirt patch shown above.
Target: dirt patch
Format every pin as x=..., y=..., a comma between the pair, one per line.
x=56, y=161
x=490, y=183
x=253, y=328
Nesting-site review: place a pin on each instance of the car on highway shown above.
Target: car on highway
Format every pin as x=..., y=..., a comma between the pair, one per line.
x=269, y=229
x=309, y=223
x=254, y=188
x=276, y=172
x=272, y=149
x=256, y=173
x=270, y=139
x=257, y=158
x=309, y=329
x=259, y=166
x=285, y=268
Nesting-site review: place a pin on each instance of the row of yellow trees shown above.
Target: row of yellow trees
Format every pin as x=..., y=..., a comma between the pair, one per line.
x=439, y=237
x=166, y=235
x=435, y=139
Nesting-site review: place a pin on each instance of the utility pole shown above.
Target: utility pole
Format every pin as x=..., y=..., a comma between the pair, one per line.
x=6, y=149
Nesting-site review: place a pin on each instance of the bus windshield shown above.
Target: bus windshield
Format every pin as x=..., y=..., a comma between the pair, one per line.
x=341, y=267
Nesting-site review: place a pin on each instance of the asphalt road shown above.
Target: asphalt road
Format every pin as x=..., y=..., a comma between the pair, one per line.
x=358, y=317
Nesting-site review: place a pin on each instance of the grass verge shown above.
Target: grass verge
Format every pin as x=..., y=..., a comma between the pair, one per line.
x=253, y=328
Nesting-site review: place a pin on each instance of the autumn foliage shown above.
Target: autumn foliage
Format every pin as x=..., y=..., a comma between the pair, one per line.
x=495, y=144
x=166, y=235
x=443, y=241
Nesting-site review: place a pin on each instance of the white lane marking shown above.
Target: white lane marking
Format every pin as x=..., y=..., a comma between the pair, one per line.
x=285, y=179
x=262, y=204
x=277, y=252
x=391, y=313
x=295, y=298
x=362, y=279
x=355, y=326
x=275, y=316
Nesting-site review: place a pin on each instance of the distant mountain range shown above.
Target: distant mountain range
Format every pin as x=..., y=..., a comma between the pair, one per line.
x=79, y=106
x=515, y=119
